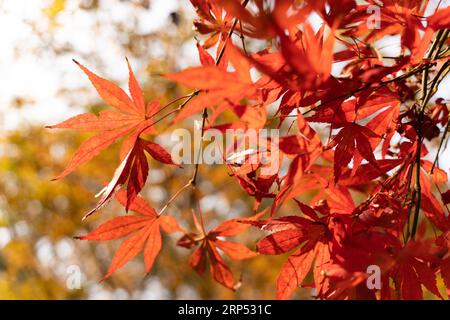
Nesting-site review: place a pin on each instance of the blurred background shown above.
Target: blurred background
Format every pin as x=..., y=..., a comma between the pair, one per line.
x=40, y=85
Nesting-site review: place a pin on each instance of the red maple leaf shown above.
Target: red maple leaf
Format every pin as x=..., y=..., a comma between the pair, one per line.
x=208, y=244
x=351, y=139
x=132, y=119
x=216, y=83
x=143, y=231
x=311, y=235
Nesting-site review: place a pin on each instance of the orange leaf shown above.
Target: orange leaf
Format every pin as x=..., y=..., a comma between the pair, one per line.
x=293, y=272
x=106, y=120
x=281, y=242
x=128, y=250
x=92, y=147
x=169, y=224
x=204, y=78
x=111, y=93
x=219, y=270
x=153, y=246
x=138, y=205
x=135, y=91
x=117, y=228
x=234, y=227
x=157, y=152
x=234, y=250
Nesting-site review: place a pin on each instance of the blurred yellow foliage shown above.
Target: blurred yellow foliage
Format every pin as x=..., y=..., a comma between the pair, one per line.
x=55, y=8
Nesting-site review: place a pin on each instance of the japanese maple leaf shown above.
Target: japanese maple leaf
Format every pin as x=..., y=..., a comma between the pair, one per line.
x=385, y=103
x=211, y=21
x=396, y=17
x=216, y=84
x=306, y=144
x=132, y=171
x=354, y=109
x=130, y=115
x=143, y=231
x=312, y=236
x=316, y=54
x=208, y=244
x=259, y=187
x=248, y=116
x=303, y=62
x=430, y=205
x=285, y=14
x=304, y=148
x=351, y=138
x=440, y=19
x=131, y=119
x=416, y=265
x=364, y=246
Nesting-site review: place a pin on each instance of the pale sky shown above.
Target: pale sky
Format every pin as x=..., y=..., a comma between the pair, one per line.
x=30, y=70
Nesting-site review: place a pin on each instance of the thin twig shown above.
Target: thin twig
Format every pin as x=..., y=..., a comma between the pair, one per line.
x=192, y=181
x=242, y=37
x=205, y=110
x=173, y=198
x=426, y=95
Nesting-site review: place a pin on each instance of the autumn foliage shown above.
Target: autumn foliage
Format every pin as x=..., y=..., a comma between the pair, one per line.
x=367, y=188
